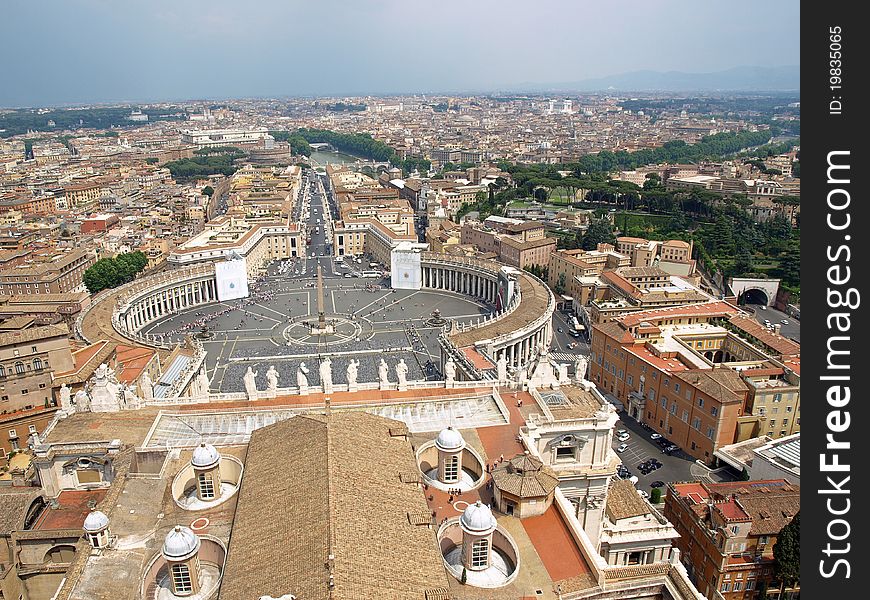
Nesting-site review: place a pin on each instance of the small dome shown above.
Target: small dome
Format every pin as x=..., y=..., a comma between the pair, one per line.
x=95, y=522
x=180, y=543
x=204, y=456
x=477, y=518
x=449, y=439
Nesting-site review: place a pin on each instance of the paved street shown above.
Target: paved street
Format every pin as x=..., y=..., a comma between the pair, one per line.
x=791, y=329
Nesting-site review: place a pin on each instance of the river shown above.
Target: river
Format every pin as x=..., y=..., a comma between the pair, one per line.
x=322, y=158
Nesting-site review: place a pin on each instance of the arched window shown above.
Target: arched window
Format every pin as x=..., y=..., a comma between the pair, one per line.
x=19, y=368
x=181, y=583
x=451, y=469
x=37, y=364
x=480, y=553
x=2, y=371
x=206, y=486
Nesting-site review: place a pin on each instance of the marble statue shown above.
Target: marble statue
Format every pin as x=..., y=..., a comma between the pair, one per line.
x=402, y=373
x=131, y=400
x=271, y=379
x=250, y=379
x=501, y=367
x=82, y=401
x=301, y=376
x=449, y=371
x=146, y=386
x=106, y=394
x=352, y=369
x=580, y=365
x=202, y=384
x=383, y=374
x=563, y=373
x=326, y=375
x=65, y=398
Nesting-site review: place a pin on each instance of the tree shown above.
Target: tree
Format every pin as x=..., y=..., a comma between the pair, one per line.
x=109, y=273
x=464, y=579
x=744, y=475
x=560, y=284
x=655, y=495
x=599, y=232
x=208, y=191
x=787, y=555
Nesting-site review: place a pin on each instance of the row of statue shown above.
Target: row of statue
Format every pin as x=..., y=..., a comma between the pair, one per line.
x=326, y=379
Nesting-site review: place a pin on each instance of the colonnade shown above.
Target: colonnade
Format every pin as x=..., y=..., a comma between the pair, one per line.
x=479, y=285
x=520, y=346
x=159, y=303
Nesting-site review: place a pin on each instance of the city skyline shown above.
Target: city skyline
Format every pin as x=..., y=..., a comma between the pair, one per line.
x=164, y=52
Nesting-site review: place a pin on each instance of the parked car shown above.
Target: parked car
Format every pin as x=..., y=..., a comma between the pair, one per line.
x=671, y=449
x=623, y=437
x=657, y=484
x=643, y=494
x=655, y=436
x=622, y=448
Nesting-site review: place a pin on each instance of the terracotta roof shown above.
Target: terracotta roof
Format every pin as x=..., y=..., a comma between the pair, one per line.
x=781, y=345
x=316, y=486
x=525, y=476
x=708, y=309
x=623, y=501
x=72, y=509
x=723, y=385
x=32, y=334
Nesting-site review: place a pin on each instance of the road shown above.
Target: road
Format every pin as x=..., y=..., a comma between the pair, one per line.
x=791, y=329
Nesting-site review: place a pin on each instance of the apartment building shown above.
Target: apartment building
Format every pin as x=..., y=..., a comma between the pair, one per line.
x=28, y=357
x=520, y=244
x=52, y=272
x=727, y=533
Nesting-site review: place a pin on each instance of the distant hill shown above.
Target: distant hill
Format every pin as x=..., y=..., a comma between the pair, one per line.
x=761, y=79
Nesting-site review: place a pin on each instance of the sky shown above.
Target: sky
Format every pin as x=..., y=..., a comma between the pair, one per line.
x=79, y=51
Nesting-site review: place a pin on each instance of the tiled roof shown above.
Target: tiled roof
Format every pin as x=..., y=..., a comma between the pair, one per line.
x=14, y=504
x=525, y=476
x=623, y=501
x=316, y=486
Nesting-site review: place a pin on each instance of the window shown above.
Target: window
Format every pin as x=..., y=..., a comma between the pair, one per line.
x=19, y=368
x=685, y=416
x=714, y=410
x=181, y=583
x=674, y=408
x=33, y=348
x=25, y=392
x=206, y=486
x=31, y=428
x=726, y=586
x=565, y=453
x=772, y=423
x=777, y=397
x=700, y=402
x=738, y=585
x=711, y=432
x=676, y=387
x=750, y=583
x=664, y=401
x=480, y=553
x=2, y=371
x=37, y=364
x=95, y=539
x=667, y=382
x=451, y=469
x=630, y=380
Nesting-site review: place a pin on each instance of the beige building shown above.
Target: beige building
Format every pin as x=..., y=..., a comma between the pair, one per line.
x=27, y=360
x=55, y=272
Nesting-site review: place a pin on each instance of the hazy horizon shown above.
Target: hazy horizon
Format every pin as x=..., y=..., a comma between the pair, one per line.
x=102, y=52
